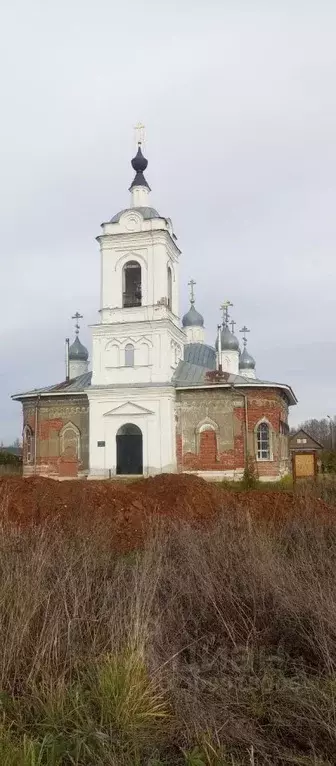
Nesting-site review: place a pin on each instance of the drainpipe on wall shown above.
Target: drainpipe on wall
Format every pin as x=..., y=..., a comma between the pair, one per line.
x=246, y=449
x=35, y=431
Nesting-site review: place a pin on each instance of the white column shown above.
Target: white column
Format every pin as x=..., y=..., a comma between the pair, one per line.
x=139, y=196
x=77, y=367
x=195, y=334
x=230, y=361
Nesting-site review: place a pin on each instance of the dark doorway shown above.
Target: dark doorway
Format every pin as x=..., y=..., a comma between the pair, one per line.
x=129, y=450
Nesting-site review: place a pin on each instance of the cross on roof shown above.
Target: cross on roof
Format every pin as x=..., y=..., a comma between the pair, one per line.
x=191, y=284
x=244, y=330
x=77, y=316
x=233, y=324
x=225, y=309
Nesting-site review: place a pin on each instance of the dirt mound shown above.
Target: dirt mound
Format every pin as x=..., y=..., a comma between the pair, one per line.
x=127, y=509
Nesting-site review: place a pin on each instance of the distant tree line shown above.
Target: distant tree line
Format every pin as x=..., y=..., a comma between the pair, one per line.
x=7, y=457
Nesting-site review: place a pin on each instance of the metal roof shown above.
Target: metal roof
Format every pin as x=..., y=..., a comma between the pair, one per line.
x=75, y=386
x=201, y=354
x=146, y=212
x=189, y=375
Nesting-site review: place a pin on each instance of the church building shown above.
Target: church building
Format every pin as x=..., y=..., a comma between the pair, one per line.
x=158, y=398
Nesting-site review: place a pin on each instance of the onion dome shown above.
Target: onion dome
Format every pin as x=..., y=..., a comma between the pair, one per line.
x=246, y=361
x=139, y=164
x=229, y=342
x=192, y=318
x=78, y=352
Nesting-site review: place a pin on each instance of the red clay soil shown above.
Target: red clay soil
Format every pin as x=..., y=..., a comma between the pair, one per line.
x=127, y=509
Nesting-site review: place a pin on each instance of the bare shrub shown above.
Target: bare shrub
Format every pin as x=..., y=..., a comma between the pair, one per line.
x=210, y=647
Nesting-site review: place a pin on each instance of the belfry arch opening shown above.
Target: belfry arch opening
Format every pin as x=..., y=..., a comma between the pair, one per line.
x=129, y=450
x=132, y=289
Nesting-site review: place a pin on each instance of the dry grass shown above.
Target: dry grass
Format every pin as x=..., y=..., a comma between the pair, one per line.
x=210, y=648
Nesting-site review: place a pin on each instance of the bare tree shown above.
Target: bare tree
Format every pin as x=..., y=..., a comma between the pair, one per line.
x=324, y=431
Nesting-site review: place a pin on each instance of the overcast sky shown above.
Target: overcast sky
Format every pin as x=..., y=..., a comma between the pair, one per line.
x=239, y=103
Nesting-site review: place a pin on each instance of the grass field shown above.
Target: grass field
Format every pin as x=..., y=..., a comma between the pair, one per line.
x=213, y=647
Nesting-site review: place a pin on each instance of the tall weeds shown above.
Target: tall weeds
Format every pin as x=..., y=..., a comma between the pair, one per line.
x=210, y=648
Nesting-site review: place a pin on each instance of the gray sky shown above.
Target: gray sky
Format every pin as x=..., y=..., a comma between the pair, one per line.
x=239, y=103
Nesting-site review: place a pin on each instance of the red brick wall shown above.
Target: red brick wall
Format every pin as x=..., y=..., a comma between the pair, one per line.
x=208, y=459
x=53, y=415
x=205, y=455
x=208, y=447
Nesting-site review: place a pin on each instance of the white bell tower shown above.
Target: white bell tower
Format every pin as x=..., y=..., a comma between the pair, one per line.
x=138, y=343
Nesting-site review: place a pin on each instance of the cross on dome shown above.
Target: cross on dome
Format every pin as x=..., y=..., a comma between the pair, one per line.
x=192, y=284
x=244, y=330
x=77, y=316
x=78, y=352
x=192, y=318
x=139, y=164
x=139, y=133
x=225, y=309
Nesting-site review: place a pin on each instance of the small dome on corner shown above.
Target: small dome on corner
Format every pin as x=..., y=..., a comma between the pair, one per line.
x=246, y=361
x=78, y=352
x=229, y=342
x=192, y=318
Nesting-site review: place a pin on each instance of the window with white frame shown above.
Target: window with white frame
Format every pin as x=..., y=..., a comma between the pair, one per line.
x=129, y=355
x=263, y=442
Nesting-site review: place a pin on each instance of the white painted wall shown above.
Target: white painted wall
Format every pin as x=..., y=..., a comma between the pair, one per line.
x=141, y=394
x=248, y=373
x=158, y=348
x=230, y=361
x=152, y=409
x=195, y=334
x=149, y=243
x=77, y=367
x=152, y=328
x=140, y=196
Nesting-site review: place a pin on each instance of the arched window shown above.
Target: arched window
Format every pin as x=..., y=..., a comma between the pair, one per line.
x=129, y=355
x=207, y=445
x=70, y=440
x=206, y=441
x=28, y=445
x=131, y=284
x=263, y=442
x=170, y=287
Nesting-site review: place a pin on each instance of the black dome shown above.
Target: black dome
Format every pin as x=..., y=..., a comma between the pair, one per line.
x=139, y=162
